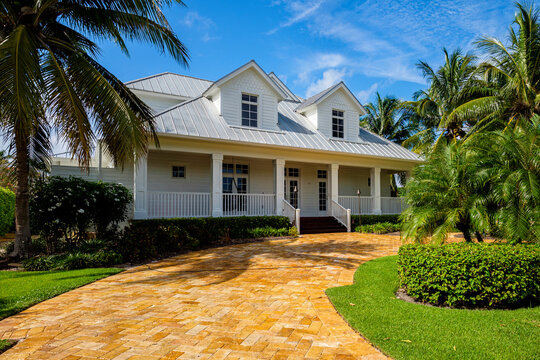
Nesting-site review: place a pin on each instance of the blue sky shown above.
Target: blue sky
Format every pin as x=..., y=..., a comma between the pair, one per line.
x=372, y=45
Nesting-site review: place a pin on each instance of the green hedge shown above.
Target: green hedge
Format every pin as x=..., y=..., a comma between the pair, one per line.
x=145, y=239
x=7, y=210
x=373, y=219
x=471, y=275
x=73, y=260
x=378, y=228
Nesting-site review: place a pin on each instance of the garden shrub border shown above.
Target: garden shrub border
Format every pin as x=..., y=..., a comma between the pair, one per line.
x=7, y=210
x=358, y=220
x=471, y=275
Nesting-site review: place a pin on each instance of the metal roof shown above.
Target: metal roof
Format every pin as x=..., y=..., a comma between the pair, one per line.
x=171, y=84
x=199, y=118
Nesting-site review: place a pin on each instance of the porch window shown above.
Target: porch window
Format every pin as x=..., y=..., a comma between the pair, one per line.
x=178, y=172
x=249, y=110
x=322, y=196
x=321, y=174
x=337, y=123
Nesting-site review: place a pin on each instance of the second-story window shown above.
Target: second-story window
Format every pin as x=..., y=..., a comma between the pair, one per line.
x=249, y=110
x=337, y=123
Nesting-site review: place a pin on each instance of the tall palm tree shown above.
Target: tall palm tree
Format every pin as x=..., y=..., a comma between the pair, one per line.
x=511, y=94
x=449, y=87
x=387, y=118
x=50, y=80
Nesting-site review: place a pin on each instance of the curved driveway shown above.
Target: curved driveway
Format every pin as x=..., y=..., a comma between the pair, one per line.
x=253, y=301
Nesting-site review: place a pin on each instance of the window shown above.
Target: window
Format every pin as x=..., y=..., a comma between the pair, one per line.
x=321, y=174
x=241, y=169
x=322, y=196
x=337, y=123
x=294, y=172
x=249, y=110
x=228, y=168
x=178, y=172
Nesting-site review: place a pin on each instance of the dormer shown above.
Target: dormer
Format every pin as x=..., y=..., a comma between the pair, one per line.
x=335, y=112
x=247, y=97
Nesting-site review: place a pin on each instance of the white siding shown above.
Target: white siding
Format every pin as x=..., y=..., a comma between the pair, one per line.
x=309, y=187
x=198, y=174
x=216, y=100
x=339, y=101
x=249, y=82
x=115, y=175
x=311, y=115
x=385, y=183
x=261, y=177
x=351, y=179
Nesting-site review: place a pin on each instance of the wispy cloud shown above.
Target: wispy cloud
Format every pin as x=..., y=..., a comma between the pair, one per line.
x=301, y=11
x=364, y=95
x=329, y=78
x=203, y=24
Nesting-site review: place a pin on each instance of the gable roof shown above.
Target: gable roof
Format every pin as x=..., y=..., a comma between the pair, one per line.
x=250, y=65
x=281, y=84
x=199, y=118
x=171, y=84
x=317, y=98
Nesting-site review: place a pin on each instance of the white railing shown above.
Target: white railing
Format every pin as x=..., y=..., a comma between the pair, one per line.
x=249, y=204
x=341, y=214
x=392, y=205
x=292, y=213
x=178, y=204
x=365, y=203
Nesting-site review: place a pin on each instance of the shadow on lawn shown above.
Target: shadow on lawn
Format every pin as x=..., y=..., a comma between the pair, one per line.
x=218, y=265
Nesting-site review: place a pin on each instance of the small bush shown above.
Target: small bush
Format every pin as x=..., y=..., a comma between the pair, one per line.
x=73, y=260
x=359, y=220
x=7, y=210
x=145, y=239
x=471, y=275
x=378, y=228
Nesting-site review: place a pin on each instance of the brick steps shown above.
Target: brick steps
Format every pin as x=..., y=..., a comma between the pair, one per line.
x=320, y=225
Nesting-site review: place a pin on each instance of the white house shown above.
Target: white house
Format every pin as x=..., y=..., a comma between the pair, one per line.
x=246, y=145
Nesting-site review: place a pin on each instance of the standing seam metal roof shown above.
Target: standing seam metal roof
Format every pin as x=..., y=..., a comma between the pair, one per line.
x=171, y=84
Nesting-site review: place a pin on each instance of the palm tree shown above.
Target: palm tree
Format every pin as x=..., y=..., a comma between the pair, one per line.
x=443, y=195
x=387, y=118
x=511, y=93
x=449, y=87
x=50, y=81
x=508, y=168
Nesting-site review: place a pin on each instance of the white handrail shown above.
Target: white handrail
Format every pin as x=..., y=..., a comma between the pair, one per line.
x=249, y=204
x=342, y=215
x=163, y=204
x=292, y=213
x=364, y=203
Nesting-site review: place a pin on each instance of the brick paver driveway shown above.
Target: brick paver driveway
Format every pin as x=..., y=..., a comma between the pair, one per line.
x=260, y=301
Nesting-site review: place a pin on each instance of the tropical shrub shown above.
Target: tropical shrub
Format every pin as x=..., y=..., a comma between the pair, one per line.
x=67, y=208
x=145, y=239
x=358, y=220
x=471, y=275
x=73, y=260
x=378, y=228
x=7, y=210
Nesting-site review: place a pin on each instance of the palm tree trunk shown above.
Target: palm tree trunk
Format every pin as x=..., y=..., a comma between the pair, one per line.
x=479, y=237
x=22, y=211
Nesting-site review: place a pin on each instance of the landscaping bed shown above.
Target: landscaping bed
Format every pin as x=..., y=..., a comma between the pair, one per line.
x=406, y=330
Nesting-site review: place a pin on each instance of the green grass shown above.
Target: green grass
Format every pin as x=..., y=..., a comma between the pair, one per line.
x=20, y=290
x=6, y=344
x=404, y=330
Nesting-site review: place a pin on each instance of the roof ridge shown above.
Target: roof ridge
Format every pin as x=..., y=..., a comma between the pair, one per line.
x=314, y=98
x=178, y=105
x=164, y=73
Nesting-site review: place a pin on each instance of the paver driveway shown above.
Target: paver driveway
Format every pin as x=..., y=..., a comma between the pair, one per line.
x=261, y=301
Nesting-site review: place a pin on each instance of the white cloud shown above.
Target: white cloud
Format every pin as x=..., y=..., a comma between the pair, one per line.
x=203, y=24
x=329, y=78
x=364, y=95
x=301, y=10
x=319, y=61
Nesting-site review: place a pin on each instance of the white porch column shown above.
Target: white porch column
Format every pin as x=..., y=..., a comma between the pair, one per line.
x=375, y=174
x=217, y=185
x=140, y=188
x=334, y=182
x=279, y=165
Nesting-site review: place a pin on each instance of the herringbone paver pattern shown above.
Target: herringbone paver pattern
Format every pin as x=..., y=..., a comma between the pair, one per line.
x=254, y=301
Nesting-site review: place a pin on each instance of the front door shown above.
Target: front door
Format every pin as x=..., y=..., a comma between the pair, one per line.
x=235, y=183
x=292, y=186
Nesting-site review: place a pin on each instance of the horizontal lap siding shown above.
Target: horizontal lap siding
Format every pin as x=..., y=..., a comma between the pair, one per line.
x=338, y=101
x=351, y=179
x=114, y=175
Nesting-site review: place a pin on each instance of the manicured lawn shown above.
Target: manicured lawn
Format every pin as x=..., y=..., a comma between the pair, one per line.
x=411, y=331
x=20, y=290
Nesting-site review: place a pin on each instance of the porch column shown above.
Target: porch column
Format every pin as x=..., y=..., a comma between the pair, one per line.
x=217, y=185
x=375, y=174
x=334, y=182
x=140, y=188
x=279, y=166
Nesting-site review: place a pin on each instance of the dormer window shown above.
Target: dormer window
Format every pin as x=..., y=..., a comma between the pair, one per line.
x=337, y=123
x=249, y=110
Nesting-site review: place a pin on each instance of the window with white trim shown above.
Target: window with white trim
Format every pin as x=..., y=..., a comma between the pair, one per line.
x=337, y=123
x=249, y=110
x=178, y=172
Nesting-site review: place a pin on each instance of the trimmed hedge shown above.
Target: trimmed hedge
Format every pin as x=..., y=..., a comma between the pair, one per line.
x=73, y=260
x=373, y=219
x=7, y=210
x=144, y=239
x=378, y=228
x=471, y=275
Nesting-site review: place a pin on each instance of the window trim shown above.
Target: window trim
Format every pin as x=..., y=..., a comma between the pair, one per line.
x=257, y=103
x=337, y=117
x=172, y=166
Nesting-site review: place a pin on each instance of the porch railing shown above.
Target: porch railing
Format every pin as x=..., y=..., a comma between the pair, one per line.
x=178, y=204
x=249, y=204
x=341, y=214
x=292, y=213
x=393, y=205
x=365, y=203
